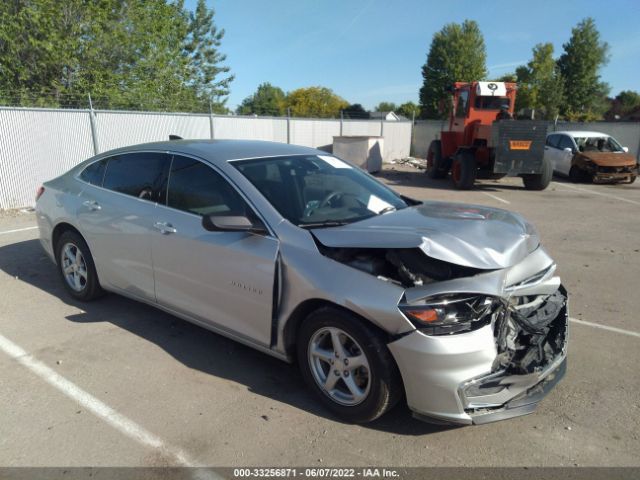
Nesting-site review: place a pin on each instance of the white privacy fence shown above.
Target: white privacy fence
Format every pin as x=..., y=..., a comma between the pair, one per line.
x=39, y=144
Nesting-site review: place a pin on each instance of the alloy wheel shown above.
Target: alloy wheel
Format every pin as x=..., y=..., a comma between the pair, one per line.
x=339, y=366
x=74, y=267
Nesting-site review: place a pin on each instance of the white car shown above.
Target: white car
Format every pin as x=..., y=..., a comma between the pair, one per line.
x=594, y=156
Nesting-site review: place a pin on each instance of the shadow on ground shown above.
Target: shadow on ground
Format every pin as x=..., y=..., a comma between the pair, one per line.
x=418, y=178
x=192, y=345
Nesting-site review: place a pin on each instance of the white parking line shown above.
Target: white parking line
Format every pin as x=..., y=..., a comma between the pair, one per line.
x=495, y=197
x=118, y=421
x=18, y=230
x=605, y=327
x=585, y=190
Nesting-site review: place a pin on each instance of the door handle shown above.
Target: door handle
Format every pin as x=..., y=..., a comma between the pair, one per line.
x=164, y=228
x=92, y=205
x=546, y=148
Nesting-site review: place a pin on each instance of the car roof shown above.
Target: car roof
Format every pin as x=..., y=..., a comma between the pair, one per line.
x=222, y=150
x=582, y=133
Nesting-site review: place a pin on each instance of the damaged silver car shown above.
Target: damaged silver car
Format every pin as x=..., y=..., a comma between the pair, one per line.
x=292, y=251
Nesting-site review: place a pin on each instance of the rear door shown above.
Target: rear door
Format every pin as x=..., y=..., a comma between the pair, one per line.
x=116, y=215
x=223, y=279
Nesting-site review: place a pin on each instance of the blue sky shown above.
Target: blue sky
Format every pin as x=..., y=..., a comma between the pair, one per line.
x=368, y=51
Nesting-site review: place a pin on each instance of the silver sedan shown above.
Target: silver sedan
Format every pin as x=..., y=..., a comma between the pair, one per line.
x=299, y=254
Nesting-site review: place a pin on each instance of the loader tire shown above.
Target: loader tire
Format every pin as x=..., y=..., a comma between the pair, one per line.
x=539, y=181
x=436, y=165
x=464, y=170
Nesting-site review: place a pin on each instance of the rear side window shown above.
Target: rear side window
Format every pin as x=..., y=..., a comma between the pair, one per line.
x=552, y=140
x=565, y=142
x=140, y=175
x=94, y=173
x=196, y=188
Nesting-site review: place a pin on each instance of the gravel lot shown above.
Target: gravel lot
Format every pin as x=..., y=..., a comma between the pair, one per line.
x=190, y=396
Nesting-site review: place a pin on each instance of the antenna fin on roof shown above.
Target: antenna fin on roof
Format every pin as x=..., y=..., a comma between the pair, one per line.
x=175, y=137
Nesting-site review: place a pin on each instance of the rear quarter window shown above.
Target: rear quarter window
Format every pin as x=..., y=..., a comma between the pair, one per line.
x=94, y=173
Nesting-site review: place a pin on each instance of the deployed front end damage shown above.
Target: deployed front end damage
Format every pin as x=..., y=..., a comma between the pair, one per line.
x=488, y=347
x=530, y=334
x=489, y=316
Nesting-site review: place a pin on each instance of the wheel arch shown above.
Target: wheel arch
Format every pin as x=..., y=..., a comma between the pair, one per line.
x=304, y=309
x=57, y=232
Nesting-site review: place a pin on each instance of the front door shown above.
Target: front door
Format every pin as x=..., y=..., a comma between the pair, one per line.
x=566, y=147
x=224, y=279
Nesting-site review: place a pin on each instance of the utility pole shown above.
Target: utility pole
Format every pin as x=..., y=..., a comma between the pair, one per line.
x=288, y=124
x=341, y=120
x=94, y=127
x=211, y=129
x=413, y=122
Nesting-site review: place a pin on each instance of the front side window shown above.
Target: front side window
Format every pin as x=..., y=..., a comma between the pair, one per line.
x=140, y=175
x=552, y=140
x=196, y=188
x=94, y=173
x=565, y=142
x=463, y=99
x=319, y=189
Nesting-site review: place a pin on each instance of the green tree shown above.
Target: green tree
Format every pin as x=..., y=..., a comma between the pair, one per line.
x=409, y=110
x=267, y=100
x=540, y=84
x=625, y=102
x=584, y=54
x=318, y=102
x=207, y=74
x=152, y=55
x=457, y=53
x=355, y=111
x=386, y=107
x=508, y=77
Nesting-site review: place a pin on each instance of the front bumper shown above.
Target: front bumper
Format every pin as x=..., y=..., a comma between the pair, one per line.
x=458, y=378
x=614, y=174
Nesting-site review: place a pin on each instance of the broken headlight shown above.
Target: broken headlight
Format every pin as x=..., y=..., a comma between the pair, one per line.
x=448, y=314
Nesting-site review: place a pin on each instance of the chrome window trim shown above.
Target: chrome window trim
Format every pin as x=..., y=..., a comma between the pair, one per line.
x=172, y=153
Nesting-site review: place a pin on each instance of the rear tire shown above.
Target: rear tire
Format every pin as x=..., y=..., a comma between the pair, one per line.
x=360, y=391
x=539, y=181
x=436, y=165
x=464, y=170
x=76, y=267
x=631, y=180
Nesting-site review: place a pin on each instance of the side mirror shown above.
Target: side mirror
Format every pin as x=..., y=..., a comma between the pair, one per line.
x=568, y=149
x=232, y=223
x=626, y=149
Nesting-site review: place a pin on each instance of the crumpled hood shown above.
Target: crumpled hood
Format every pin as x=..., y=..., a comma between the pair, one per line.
x=610, y=159
x=467, y=235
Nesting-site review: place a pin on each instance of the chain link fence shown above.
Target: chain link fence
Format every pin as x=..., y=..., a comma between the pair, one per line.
x=37, y=144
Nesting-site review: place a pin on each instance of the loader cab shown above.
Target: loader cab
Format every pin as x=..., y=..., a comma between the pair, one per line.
x=475, y=107
x=479, y=103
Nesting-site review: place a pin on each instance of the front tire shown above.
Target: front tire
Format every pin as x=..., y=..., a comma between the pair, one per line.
x=464, y=170
x=348, y=365
x=76, y=267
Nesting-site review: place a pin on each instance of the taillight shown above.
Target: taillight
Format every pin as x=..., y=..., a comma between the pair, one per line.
x=39, y=192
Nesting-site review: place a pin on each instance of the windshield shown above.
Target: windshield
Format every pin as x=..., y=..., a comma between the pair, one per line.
x=598, y=144
x=491, y=103
x=319, y=190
